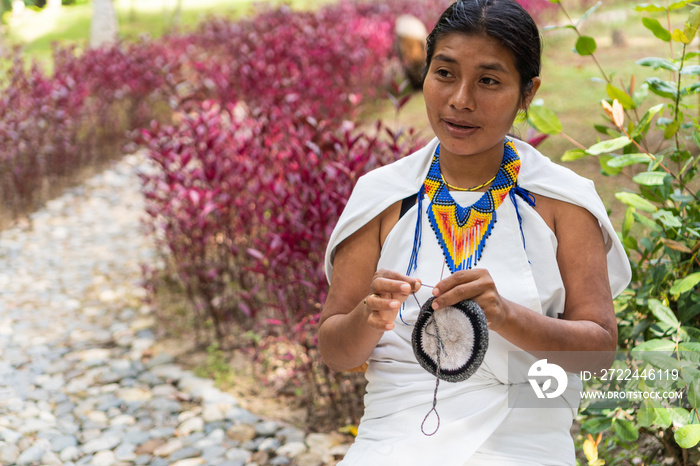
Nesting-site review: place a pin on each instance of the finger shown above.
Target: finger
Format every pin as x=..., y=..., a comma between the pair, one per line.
x=383, y=311
x=377, y=303
x=387, y=287
x=456, y=279
x=413, y=282
x=456, y=294
x=381, y=320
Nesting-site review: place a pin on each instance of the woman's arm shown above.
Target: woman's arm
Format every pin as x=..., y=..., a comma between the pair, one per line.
x=588, y=323
x=362, y=301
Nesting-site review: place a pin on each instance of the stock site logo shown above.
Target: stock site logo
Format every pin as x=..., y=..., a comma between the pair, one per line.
x=543, y=370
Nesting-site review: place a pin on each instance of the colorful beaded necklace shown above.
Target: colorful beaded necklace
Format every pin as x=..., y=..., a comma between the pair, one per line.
x=462, y=231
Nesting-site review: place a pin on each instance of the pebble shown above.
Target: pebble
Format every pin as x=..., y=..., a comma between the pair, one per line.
x=80, y=380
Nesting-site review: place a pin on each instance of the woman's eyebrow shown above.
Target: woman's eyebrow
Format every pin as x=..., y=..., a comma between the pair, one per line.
x=493, y=66
x=445, y=58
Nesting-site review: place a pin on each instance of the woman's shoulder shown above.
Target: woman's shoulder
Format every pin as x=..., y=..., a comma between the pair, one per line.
x=407, y=170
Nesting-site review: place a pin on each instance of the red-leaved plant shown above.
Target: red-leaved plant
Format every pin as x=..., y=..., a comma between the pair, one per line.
x=249, y=175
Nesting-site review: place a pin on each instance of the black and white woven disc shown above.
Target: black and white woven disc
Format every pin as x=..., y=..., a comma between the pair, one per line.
x=459, y=333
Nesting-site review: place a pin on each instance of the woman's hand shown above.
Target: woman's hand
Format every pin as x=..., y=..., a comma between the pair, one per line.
x=388, y=291
x=477, y=285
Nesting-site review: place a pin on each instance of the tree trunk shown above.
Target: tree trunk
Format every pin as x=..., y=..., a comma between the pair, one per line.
x=177, y=15
x=104, y=26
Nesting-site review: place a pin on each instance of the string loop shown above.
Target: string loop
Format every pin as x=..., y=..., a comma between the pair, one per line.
x=440, y=349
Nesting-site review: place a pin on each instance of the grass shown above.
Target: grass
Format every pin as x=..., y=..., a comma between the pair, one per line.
x=36, y=31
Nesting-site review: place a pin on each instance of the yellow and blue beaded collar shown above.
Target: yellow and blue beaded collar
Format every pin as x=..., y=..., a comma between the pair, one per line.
x=462, y=231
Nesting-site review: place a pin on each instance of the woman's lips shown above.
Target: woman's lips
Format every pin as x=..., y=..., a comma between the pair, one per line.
x=460, y=127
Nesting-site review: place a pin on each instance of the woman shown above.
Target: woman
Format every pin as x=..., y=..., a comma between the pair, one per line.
x=544, y=273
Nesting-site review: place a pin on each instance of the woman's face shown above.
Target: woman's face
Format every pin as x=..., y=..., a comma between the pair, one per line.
x=472, y=94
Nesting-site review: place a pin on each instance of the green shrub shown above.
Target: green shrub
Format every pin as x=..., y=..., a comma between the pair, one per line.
x=657, y=145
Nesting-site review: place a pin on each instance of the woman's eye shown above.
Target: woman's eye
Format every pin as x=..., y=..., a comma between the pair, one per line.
x=489, y=81
x=443, y=73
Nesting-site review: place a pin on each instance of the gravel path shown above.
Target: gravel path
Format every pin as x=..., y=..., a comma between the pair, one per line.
x=79, y=380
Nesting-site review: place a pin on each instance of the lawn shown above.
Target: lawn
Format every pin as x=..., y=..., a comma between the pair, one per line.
x=37, y=30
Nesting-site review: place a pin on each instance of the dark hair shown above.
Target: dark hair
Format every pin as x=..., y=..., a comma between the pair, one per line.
x=503, y=20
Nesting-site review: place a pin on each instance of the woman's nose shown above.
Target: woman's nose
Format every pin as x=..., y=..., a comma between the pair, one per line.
x=463, y=97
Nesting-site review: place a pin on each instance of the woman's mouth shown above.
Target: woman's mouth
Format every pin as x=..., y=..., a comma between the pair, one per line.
x=460, y=126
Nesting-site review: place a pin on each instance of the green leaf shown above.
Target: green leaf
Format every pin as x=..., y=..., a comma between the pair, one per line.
x=688, y=436
x=554, y=27
x=662, y=313
x=655, y=345
x=680, y=4
x=663, y=419
x=607, y=169
x=650, y=178
x=662, y=88
x=585, y=45
x=625, y=160
x=646, y=415
x=655, y=26
x=682, y=198
x=631, y=243
x=606, y=130
x=650, y=7
x=679, y=415
x=690, y=89
x=544, y=120
x=647, y=222
x=661, y=360
x=628, y=221
x=621, y=96
x=693, y=69
x=693, y=394
x=596, y=425
x=685, y=284
x=588, y=13
x=635, y=201
x=573, y=154
x=692, y=346
x=657, y=63
x=610, y=145
x=691, y=25
x=671, y=129
x=667, y=218
x=625, y=430
x=644, y=124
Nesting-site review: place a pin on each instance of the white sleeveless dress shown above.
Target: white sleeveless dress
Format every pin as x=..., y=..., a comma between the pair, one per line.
x=478, y=425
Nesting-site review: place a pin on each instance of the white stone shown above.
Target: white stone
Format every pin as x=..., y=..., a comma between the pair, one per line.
x=133, y=394
x=51, y=459
x=169, y=448
x=104, y=458
x=189, y=462
x=190, y=426
x=70, y=454
x=123, y=420
x=292, y=449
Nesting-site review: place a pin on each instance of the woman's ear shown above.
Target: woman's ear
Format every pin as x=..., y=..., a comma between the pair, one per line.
x=530, y=94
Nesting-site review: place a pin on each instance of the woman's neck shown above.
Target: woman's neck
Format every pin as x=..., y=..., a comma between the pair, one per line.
x=467, y=171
